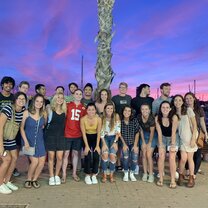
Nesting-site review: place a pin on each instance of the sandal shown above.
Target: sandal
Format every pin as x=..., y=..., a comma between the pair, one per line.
x=28, y=184
x=160, y=183
x=173, y=185
x=76, y=178
x=35, y=184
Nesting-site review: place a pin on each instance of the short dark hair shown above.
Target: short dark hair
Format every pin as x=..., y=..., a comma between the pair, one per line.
x=7, y=80
x=38, y=86
x=165, y=84
x=88, y=85
x=24, y=83
x=140, y=87
x=60, y=87
x=72, y=83
x=91, y=104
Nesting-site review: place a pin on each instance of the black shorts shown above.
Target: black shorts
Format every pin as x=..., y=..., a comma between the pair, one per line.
x=73, y=144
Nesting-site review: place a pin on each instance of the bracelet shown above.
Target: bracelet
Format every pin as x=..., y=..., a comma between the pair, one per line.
x=115, y=141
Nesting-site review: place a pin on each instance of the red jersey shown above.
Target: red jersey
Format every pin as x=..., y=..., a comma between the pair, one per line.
x=72, y=125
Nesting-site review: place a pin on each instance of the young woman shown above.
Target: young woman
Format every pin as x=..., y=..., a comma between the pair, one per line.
x=73, y=134
x=8, y=147
x=148, y=141
x=91, y=127
x=192, y=102
x=103, y=98
x=166, y=126
x=34, y=120
x=129, y=137
x=110, y=133
x=187, y=130
x=54, y=136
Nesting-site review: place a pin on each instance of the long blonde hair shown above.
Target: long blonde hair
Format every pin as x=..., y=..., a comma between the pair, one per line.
x=113, y=116
x=54, y=103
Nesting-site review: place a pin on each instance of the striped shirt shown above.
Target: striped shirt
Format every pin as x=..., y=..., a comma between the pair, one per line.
x=8, y=111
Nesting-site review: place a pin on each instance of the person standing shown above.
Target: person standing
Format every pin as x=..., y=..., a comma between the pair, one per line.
x=142, y=97
x=8, y=147
x=33, y=123
x=91, y=127
x=54, y=136
x=72, y=88
x=73, y=134
x=165, y=95
x=6, y=97
x=87, y=97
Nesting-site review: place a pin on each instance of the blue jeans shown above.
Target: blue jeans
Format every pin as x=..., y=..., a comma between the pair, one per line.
x=129, y=158
x=146, y=139
x=109, y=140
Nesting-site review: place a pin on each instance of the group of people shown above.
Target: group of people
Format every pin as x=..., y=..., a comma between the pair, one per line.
x=106, y=130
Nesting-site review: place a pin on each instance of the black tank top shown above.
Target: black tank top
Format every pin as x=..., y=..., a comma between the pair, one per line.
x=166, y=131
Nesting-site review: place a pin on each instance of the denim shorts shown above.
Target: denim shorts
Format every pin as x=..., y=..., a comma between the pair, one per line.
x=146, y=139
x=73, y=144
x=167, y=142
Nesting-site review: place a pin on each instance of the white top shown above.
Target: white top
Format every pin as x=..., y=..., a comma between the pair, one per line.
x=185, y=132
x=106, y=130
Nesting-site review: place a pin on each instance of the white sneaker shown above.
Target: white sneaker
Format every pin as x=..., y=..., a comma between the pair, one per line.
x=88, y=180
x=132, y=177
x=57, y=180
x=4, y=189
x=52, y=181
x=126, y=176
x=136, y=172
x=11, y=186
x=151, y=179
x=176, y=175
x=94, y=179
x=144, y=177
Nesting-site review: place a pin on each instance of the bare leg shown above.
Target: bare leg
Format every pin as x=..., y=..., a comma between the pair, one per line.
x=39, y=168
x=74, y=162
x=64, y=164
x=161, y=162
x=12, y=165
x=172, y=163
x=59, y=157
x=51, y=156
x=4, y=166
x=32, y=168
x=150, y=160
x=144, y=160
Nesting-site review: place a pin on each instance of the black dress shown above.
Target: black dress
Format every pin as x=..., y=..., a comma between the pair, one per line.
x=54, y=133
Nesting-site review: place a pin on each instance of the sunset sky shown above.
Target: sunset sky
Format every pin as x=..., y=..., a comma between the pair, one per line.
x=42, y=41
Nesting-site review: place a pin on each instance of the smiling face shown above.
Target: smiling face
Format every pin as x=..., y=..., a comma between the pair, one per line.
x=178, y=102
x=24, y=88
x=60, y=99
x=165, y=91
x=109, y=109
x=78, y=95
x=7, y=87
x=165, y=109
x=91, y=111
x=20, y=101
x=189, y=99
x=127, y=112
x=104, y=96
x=38, y=102
x=88, y=91
x=72, y=88
x=145, y=110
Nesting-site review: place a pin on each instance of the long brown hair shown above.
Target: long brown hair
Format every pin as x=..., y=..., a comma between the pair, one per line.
x=113, y=116
x=99, y=100
x=32, y=109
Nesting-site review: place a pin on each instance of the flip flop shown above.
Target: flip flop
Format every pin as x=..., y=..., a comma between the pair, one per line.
x=173, y=185
x=76, y=178
x=160, y=183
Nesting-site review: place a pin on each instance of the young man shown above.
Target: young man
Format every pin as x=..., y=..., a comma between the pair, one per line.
x=87, y=98
x=41, y=89
x=142, y=97
x=73, y=135
x=6, y=97
x=165, y=93
x=122, y=98
x=72, y=88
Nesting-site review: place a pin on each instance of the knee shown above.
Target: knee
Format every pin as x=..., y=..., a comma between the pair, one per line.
x=125, y=155
x=112, y=158
x=105, y=157
x=75, y=153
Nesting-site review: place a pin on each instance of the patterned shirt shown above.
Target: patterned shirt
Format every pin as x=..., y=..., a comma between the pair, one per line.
x=128, y=131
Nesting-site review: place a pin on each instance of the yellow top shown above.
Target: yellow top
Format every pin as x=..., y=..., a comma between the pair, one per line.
x=90, y=128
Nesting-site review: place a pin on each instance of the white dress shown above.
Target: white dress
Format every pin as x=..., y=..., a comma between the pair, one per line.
x=185, y=132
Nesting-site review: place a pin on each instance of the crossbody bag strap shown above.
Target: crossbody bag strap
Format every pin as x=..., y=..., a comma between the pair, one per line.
x=36, y=133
